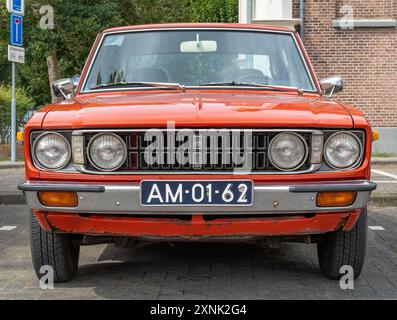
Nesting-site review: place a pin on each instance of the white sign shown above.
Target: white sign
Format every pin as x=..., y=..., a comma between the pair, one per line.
x=16, y=54
x=16, y=7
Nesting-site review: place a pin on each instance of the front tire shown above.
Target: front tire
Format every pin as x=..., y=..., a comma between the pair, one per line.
x=55, y=250
x=341, y=248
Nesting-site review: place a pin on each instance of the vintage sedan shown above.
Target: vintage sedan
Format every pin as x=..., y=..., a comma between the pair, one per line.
x=198, y=132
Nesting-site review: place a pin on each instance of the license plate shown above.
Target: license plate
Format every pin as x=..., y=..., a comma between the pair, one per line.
x=196, y=193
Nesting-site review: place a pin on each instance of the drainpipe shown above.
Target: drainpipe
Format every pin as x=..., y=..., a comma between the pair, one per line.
x=250, y=11
x=302, y=17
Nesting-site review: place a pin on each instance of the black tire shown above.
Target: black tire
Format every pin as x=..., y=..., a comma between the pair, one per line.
x=341, y=248
x=55, y=250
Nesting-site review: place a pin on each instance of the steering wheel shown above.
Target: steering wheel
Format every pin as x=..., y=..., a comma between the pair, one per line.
x=254, y=78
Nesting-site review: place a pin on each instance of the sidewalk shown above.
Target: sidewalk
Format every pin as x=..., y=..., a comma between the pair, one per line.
x=384, y=160
x=11, y=165
x=384, y=175
x=10, y=177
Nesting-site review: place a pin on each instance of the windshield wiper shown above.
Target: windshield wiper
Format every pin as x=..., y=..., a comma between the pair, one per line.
x=175, y=86
x=249, y=84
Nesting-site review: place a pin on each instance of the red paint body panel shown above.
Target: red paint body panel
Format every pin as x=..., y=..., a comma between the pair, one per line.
x=197, y=25
x=42, y=220
x=35, y=123
x=217, y=109
x=351, y=222
x=125, y=226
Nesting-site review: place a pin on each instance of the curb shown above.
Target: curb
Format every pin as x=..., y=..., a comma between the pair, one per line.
x=378, y=160
x=389, y=200
x=12, y=199
x=12, y=165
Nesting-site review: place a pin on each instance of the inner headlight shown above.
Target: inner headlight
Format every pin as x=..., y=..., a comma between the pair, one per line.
x=342, y=150
x=52, y=151
x=107, y=151
x=287, y=151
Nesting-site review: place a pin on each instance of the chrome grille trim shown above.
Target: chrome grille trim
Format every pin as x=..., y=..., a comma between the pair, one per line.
x=310, y=167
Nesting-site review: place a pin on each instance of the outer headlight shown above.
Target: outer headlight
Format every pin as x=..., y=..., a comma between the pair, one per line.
x=287, y=151
x=107, y=151
x=52, y=151
x=342, y=150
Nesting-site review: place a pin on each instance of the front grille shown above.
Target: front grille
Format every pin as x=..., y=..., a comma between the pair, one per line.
x=243, y=148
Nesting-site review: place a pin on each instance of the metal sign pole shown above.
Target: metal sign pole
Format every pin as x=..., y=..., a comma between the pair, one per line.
x=16, y=53
x=13, y=118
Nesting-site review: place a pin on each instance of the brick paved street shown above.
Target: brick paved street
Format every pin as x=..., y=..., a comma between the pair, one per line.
x=198, y=271
x=10, y=178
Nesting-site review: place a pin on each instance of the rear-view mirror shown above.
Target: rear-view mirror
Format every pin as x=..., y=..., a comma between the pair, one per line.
x=199, y=46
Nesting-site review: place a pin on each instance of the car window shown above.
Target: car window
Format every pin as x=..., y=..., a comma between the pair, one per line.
x=194, y=57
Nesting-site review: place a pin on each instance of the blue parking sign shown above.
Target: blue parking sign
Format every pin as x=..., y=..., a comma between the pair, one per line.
x=16, y=7
x=16, y=30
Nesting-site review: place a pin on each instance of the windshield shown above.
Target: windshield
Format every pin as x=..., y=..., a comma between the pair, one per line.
x=196, y=58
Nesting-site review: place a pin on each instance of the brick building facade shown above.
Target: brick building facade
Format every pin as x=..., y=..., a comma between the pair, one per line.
x=365, y=56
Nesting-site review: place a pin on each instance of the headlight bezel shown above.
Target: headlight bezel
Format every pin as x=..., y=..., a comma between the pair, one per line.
x=38, y=163
x=301, y=163
x=88, y=151
x=355, y=163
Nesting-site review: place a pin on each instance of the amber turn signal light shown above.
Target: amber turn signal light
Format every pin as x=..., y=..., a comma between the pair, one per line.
x=335, y=199
x=375, y=135
x=58, y=199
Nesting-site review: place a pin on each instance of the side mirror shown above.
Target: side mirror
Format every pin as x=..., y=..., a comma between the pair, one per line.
x=332, y=85
x=65, y=88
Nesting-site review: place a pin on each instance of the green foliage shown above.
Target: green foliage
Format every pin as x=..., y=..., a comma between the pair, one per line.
x=213, y=11
x=154, y=11
x=24, y=102
x=78, y=22
x=5, y=74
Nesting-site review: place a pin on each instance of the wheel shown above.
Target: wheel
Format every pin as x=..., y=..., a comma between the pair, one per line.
x=341, y=248
x=55, y=250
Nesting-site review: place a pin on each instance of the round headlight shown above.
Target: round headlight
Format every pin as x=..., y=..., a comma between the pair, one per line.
x=107, y=151
x=287, y=151
x=342, y=150
x=52, y=151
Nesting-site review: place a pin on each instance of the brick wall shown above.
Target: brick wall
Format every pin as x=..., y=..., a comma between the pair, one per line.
x=295, y=9
x=365, y=57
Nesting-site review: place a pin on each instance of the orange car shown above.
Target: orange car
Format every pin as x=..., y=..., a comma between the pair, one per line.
x=198, y=132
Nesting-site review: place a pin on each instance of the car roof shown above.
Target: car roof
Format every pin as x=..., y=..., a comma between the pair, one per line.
x=199, y=25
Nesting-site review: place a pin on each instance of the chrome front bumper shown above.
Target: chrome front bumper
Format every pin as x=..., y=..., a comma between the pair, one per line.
x=268, y=198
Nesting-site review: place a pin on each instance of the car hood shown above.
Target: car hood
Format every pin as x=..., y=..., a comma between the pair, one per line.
x=198, y=109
